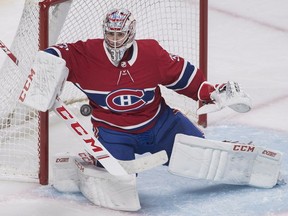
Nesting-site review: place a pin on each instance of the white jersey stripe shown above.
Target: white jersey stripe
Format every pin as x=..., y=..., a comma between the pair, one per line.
x=130, y=127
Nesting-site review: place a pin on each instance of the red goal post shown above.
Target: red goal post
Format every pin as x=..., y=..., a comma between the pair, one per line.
x=180, y=26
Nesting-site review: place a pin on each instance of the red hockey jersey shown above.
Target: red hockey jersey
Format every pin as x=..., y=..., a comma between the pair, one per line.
x=127, y=97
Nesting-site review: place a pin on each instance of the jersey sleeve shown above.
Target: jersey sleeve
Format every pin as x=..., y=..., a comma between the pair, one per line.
x=68, y=52
x=178, y=74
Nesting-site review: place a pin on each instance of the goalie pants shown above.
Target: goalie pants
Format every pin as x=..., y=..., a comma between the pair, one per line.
x=123, y=146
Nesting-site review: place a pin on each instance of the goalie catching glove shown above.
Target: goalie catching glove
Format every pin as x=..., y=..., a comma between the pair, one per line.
x=225, y=95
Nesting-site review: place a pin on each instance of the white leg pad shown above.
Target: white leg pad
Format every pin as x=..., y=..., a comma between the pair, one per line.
x=106, y=190
x=65, y=176
x=230, y=163
x=78, y=174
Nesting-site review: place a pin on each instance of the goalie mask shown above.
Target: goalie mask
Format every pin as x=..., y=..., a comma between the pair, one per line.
x=119, y=33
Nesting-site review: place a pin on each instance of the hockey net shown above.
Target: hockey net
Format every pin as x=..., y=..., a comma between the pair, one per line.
x=176, y=24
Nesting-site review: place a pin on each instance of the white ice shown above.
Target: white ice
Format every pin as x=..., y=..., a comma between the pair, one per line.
x=248, y=43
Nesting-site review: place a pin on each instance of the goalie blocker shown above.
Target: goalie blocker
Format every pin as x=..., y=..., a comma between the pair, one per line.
x=45, y=82
x=225, y=162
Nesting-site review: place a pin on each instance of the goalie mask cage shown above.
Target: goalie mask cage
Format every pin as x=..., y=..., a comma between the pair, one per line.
x=180, y=26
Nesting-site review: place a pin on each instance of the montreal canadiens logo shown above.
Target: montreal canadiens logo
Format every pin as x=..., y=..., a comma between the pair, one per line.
x=124, y=100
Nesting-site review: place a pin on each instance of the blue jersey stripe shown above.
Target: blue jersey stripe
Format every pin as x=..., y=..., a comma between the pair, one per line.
x=52, y=51
x=184, y=79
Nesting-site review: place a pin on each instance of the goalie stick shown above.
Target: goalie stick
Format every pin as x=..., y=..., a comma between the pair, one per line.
x=99, y=152
x=91, y=145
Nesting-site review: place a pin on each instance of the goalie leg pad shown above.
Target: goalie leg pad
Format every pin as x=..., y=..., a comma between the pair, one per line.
x=65, y=176
x=106, y=190
x=225, y=162
x=78, y=174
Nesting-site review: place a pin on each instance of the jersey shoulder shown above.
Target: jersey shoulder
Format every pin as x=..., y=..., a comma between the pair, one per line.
x=89, y=45
x=151, y=43
x=80, y=46
x=150, y=46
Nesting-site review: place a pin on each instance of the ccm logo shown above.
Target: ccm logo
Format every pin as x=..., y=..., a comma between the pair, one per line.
x=62, y=160
x=244, y=148
x=269, y=153
x=81, y=132
x=27, y=85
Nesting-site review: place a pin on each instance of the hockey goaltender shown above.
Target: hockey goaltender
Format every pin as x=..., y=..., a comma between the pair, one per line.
x=121, y=76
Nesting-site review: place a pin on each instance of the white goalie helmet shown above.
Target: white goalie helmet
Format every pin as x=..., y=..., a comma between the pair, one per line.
x=119, y=32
